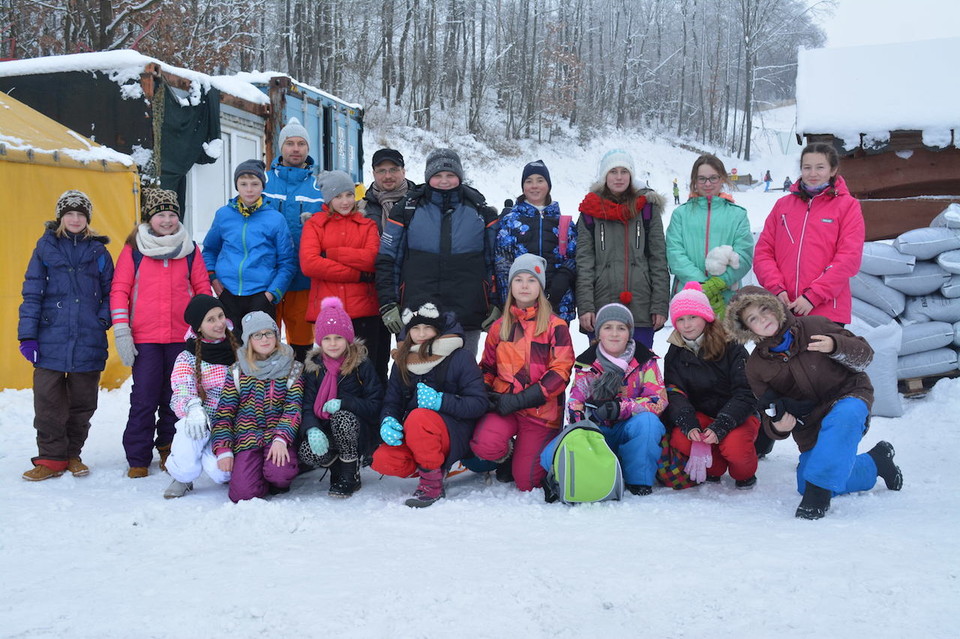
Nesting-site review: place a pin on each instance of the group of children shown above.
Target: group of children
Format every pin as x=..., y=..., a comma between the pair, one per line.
x=240, y=407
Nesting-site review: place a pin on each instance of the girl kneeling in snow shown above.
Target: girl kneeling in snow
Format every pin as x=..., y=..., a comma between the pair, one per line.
x=710, y=398
x=256, y=423
x=526, y=365
x=434, y=396
x=618, y=386
x=342, y=396
x=809, y=375
x=199, y=373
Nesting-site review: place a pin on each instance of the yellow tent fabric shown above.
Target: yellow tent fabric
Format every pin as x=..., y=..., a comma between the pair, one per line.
x=39, y=160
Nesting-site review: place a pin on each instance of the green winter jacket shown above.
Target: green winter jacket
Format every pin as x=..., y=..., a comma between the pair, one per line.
x=700, y=225
x=611, y=259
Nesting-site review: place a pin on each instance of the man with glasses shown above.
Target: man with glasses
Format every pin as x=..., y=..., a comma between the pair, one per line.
x=390, y=184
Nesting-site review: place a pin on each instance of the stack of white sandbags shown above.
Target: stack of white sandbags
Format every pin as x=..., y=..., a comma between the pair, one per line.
x=915, y=282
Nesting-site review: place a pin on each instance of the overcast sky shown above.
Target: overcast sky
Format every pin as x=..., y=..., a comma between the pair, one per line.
x=859, y=22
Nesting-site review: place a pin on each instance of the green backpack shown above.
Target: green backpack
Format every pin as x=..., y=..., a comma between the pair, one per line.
x=584, y=469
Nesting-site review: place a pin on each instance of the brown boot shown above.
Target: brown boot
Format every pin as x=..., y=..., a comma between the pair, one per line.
x=136, y=472
x=77, y=467
x=41, y=472
x=164, y=453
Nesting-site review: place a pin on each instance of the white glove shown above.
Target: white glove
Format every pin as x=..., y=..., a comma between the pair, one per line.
x=125, y=347
x=196, y=424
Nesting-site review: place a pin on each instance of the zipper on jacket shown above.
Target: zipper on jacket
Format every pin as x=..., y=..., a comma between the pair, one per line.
x=706, y=243
x=243, y=236
x=803, y=233
x=639, y=230
x=603, y=238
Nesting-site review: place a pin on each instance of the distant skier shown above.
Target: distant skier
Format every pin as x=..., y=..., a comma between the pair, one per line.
x=766, y=181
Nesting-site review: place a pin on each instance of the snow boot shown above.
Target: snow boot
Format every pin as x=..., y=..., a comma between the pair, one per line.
x=640, y=489
x=746, y=484
x=77, y=468
x=137, y=472
x=504, y=472
x=40, y=472
x=164, y=452
x=429, y=490
x=882, y=455
x=347, y=479
x=177, y=489
x=815, y=502
x=713, y=480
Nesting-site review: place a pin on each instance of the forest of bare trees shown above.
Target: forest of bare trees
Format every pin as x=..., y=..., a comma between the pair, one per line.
x=496, y=68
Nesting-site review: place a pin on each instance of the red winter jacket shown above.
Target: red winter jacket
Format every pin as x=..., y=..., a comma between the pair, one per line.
x=812, y=247
x=335, y=251
x=153, y=298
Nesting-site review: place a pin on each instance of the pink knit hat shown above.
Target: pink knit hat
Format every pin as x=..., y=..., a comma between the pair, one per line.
x=691, y=301
x=333, y=320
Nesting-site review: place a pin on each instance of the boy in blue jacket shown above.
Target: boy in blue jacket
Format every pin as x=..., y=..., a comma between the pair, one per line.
x=248, y=249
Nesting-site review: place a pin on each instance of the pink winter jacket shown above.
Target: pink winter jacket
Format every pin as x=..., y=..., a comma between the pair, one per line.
x=812, y=247
x=153, y=299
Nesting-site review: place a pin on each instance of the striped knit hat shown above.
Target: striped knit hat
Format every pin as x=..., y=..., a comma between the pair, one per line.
x=691, y=301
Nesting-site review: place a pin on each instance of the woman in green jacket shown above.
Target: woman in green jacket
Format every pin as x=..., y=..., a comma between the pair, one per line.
x=709, y=239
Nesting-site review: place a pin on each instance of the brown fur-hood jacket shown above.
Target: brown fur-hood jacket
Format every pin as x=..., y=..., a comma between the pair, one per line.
x=798, y=373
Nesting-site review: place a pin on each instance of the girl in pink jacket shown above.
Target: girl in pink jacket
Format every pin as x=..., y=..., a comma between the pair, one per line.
x=812, y=241
x=158, y=272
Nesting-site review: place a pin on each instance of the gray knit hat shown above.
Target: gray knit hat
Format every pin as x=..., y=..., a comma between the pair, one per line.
x=74, y=200
x=614, y=313
x=333, y=183
x=255, y=322
x=294, y=130
x=255, y=168
x=530, y=263
x=443, y=160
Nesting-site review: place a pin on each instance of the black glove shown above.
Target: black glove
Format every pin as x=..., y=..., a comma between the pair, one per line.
x=607, y=410
x=494, y=401
x=367, y=277
x=529, y=397
x=775, y=407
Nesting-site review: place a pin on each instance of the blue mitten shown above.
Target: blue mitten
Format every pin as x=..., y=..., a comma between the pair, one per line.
x=428, y=398
x=319, y=444
x=331, y=406
x=391, y=431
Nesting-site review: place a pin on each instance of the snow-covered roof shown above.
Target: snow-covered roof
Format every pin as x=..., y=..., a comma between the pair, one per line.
x=873, y=90
x=125, y=66
x=264, y=77
x=29, y=136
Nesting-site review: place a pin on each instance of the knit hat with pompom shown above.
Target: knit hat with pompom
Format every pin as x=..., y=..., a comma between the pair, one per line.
x=333, y=320
x=691, y=301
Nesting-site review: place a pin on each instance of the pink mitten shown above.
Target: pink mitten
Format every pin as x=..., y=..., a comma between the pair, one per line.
x=700, y=459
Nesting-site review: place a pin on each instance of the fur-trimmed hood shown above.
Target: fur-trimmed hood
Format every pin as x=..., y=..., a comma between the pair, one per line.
x=755, y=295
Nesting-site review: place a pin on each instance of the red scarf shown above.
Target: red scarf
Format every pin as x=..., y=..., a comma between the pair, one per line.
x=603, y=209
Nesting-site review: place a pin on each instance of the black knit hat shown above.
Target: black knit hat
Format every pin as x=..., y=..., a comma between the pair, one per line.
x=428, y=314
x=537, y=167
x=74, y=200
x=197, y=309
x=443, y=160
x=255, y=168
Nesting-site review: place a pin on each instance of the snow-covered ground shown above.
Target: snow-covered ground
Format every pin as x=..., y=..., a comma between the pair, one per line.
x=107, y=556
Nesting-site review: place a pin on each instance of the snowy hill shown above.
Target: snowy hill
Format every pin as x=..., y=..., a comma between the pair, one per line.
x=107, y=556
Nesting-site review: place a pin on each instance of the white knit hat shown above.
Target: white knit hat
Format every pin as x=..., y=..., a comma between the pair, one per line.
x=617, y=158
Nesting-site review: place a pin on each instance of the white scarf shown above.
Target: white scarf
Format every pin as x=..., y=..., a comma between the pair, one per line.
x=163, y=247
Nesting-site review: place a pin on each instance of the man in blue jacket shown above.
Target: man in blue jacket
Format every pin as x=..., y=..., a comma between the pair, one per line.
x=291, y=189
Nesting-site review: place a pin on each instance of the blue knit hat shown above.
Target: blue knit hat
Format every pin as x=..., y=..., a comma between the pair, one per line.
x=537, y=167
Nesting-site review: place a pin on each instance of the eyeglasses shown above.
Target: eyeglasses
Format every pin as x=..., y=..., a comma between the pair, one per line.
x=395, y=170
x=713, y=179
x=263, y=335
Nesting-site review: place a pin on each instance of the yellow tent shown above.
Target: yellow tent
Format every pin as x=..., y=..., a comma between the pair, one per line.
x=39, y=160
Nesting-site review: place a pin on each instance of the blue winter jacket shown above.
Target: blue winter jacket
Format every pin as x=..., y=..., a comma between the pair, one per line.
x=66, y=301
x=438, y=247
x=524, y=229
x=250, y=254
x=293, y=191
x=464, y=401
